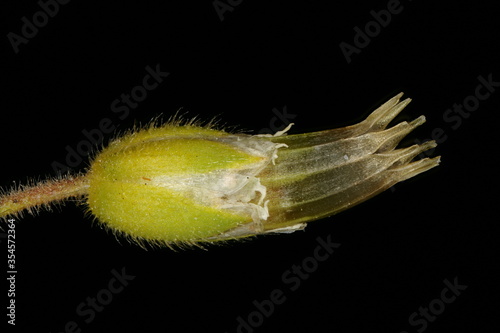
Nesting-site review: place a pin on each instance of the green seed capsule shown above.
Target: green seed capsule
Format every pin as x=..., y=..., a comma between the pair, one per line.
x=182, y=184
x=185, y=184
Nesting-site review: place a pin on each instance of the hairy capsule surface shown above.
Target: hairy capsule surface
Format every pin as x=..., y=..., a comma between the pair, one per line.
x=185, y=183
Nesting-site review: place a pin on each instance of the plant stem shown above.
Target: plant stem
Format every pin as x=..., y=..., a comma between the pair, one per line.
x=32, y=197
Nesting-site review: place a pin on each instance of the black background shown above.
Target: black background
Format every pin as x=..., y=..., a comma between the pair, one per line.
x=396, y=249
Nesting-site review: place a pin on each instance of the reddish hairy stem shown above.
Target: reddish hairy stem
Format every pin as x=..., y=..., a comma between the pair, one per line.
x=42, y=194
